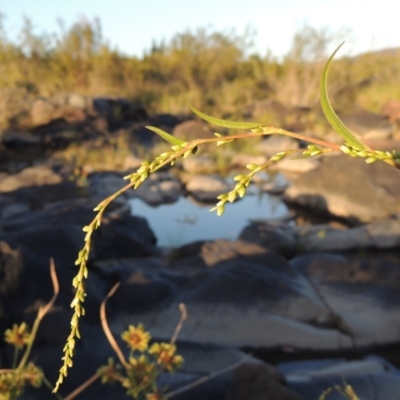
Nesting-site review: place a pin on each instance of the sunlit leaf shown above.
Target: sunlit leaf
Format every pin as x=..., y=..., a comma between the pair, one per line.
x=224, y=123
x=166, y=136
x=330, y=114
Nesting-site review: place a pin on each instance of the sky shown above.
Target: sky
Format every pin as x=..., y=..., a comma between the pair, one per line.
x=132, y=25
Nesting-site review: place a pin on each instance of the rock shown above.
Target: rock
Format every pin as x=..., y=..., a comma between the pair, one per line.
x=118, y=110
x=277, y=185
x=168, y=121
x=104, y=184
x=381, y=234
x=362, y=293
x=207, y=188
x=56, y=232
x=256, y=382
x=276, y=144
x=280, y=239
x=14, y=209
x=391, y=111
x=42, y=112
x=198, y=164
x=241, y=160
x=159, y=188
x=78, y=101
x=140, y=289
x=296, y=165
x=240, y=294
x=15, y=285
x=32, y=176
x=132, y=163
x=370, y=378
x=36, y=186
x=192, y=129
x=14, y=139
x=341, y=186
x=368, y=125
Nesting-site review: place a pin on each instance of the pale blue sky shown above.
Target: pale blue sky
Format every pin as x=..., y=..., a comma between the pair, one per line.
x=131, y=25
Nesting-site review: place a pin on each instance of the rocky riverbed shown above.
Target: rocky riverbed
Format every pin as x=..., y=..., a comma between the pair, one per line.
x=284, y=290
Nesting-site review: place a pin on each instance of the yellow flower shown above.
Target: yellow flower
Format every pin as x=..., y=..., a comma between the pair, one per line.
x=136, y=338
x=154, y=396
x=140, y=376
x=18, y=335
x=33, y=375
x=165, y=354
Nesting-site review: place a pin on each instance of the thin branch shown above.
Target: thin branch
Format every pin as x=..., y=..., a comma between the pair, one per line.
x=184, y=315
x=41, y=313
x=82, y=387
x=106, y=328
x=56, y=289
x=204, y=379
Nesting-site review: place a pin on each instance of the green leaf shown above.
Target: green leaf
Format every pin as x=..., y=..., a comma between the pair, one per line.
x=166, y=136
x=329, y=112
x=224, y=123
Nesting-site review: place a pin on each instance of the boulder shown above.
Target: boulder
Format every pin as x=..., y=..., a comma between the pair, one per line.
x=206, y=188
x=349, y=188
x=243, y=295
x=362, y=292
x=295, y=166
x=381, y=234
x=241, y=160
x=368, y=125
x=104, y=184
x=192, y=129
x=78, y=101
x=370, y=378
x=257, y=382
x=159, y=188
x=276, y=144
x=33, y=176
x=276, y=186
x=42, y=112
x=279, y=238
x=391, y=111
x=56, y=232
x=198, y=164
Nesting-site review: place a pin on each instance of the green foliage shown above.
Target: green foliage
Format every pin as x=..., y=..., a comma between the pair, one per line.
x=217, y=71
x=329, y=112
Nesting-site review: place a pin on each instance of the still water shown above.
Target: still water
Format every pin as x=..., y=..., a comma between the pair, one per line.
x=186, y=220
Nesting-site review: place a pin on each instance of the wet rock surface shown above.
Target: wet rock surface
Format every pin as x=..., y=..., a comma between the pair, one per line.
x=349, y=187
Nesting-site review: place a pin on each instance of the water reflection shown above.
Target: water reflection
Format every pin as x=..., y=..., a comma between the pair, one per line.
x=187, y=220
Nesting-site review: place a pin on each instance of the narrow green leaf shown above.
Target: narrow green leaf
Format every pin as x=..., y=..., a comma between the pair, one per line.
x=329, y=112
x=224, y=123
x=166, y=136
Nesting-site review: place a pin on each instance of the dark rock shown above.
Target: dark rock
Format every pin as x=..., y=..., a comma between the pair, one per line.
x=257, y=382
x=280, y=239
x=168, y=121
x=343, y=184
x=56, y=232
x=371, y=378
x=159, y=188
x=15, y=283
x=241, y=294
x=362, y=293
